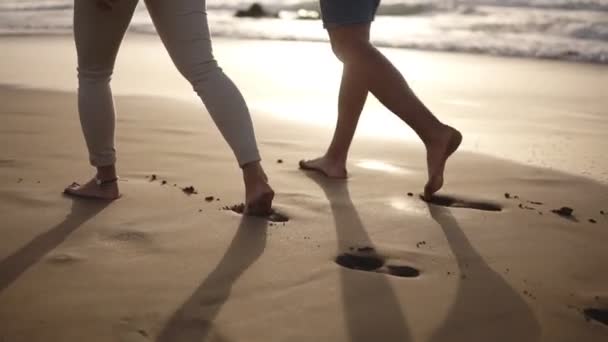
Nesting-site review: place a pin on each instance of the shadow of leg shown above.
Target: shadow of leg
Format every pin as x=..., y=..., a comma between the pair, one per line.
x=20, y=261
x=486, y=307
x=193, y=321
x=378, y=319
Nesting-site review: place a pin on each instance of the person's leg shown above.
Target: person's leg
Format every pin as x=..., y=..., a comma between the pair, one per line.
x=183, y=28
x=351, y=99
x=98, y=32
x=351, y=45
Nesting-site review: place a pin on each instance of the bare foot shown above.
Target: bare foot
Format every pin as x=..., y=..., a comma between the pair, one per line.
x=258, y=193
x=325, y=166
x=107, y=191
x=437, y=153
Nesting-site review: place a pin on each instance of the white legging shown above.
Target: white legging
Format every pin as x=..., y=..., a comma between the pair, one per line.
x=183, y=29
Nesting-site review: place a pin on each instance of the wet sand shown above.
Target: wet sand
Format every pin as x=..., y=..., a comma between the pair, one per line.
x=357, y=260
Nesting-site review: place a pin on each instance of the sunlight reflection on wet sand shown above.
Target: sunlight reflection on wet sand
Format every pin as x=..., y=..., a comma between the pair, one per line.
x=379, y=165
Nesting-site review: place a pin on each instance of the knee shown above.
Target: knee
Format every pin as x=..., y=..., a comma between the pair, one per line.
x=198, y=72
x=348, y=49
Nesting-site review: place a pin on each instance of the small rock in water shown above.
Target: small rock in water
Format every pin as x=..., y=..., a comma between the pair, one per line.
x=410, y=194
x=189, y=190
x=209, y=198
x=564, y=211
x=163, y=182
x=279, y=161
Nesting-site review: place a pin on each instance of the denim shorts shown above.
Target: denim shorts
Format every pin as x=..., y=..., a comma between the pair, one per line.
x=336, y=13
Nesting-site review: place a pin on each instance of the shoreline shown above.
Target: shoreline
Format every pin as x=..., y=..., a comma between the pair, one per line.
x=288, y=40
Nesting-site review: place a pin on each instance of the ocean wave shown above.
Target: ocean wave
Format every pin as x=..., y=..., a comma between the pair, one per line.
x=582, y=5
x=393, y=6
x=414, y=7
x=35, y=6
x=388, y=7
x=478, y=42
x=506, y=30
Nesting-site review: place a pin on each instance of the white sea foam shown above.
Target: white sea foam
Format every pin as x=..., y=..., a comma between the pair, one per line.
x=559, y=29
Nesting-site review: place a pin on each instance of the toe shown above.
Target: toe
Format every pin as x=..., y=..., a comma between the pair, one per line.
x=70, y=189
x=306, y=164
x=74, y=185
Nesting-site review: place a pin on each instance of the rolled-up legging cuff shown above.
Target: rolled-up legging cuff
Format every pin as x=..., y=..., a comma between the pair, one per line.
x=100, y=160
x=246, y=156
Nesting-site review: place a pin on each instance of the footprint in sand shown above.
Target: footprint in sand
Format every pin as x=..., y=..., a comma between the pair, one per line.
x=128, y=236
x=127, y=239
x=374, y=263
x=359, y=262
x=599, y=315
x=403, y=271
x=273, y=216
x=454, y=202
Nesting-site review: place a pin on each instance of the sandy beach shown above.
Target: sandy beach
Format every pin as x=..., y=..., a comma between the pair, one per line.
x=358, y=260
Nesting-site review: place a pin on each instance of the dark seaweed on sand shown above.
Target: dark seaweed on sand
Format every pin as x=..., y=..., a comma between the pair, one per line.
x=563, y=211
x=189, y=190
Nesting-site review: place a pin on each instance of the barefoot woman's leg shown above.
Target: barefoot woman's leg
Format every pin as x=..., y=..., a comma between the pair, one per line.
x=353, y=93
x=183, y=28
x=348, y=27
x=338, y=16
x=390, y=88
x=98, y=33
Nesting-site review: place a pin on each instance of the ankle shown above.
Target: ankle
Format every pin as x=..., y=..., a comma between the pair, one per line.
x=335, y=158
x=106, y=173
x=435, y=136
x=253, y=171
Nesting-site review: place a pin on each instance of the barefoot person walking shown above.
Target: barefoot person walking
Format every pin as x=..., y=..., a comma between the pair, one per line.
x=99, y=27
x=365, y=70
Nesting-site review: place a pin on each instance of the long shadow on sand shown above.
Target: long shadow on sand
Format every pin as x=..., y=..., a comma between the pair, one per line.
x=193, y=321
x=380, y=319
x=17, y=263
x=486, y=307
